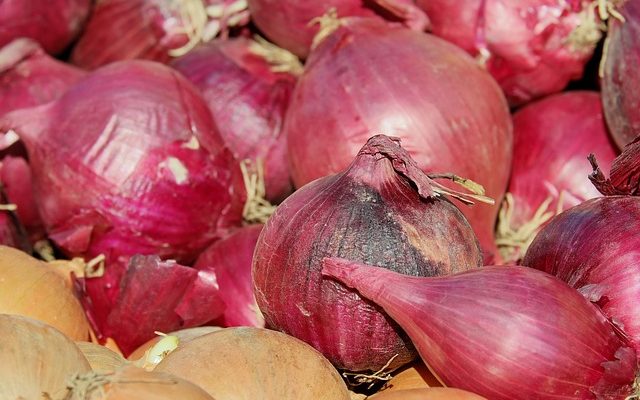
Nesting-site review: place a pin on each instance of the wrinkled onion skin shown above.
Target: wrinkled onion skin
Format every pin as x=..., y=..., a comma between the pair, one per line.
x=355, y=85
x=595, y=248
x=531, y=55
x=621, y=78
x=368, y=213
x=248, y=102
x=52, y=23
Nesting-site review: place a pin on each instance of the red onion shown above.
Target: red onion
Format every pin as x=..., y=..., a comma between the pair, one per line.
x=151, y=296
x=128, y=161
x=367, y=78
x=290, y=23
x=552, y=138
x=502, y=332
x=620, y=75
x=52, y=23
x=595, y=246
x=153, y=29
x=532, y=47
x=382, y=209
x=29, y=77
x=230, y=260
x=248, y=102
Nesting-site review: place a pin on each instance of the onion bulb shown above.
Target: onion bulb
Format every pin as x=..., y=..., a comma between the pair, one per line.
x=101, y=358
x=427, y=394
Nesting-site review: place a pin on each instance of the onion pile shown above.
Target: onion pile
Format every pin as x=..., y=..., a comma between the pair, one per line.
x=549, y=173
x=248, y=101
x=155, y=29
x=382, y=209
x=533, y=47
x=368, y=78
x=291, y=23
x=52, y=23
x=502, y=332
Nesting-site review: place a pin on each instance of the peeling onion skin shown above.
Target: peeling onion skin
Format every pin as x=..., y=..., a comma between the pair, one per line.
x=52, y=23
x=595, y=248
x=371, y=213
x=357, y=83
x=528, y=41
x=503, y=332
x=621, y=76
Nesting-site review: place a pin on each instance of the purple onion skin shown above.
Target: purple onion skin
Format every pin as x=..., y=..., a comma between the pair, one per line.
x=248, y=103
x=371, y=213
x=528, y=42
x=52, y=23
x=621, y=78
x=595, y=248
x=29, y=77
x=502, y=332
x=230, y=260
x=368, y=78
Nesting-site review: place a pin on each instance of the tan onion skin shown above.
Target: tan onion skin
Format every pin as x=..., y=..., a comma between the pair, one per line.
x=132, y=383
x=101, y=359
x=184, y=336
x=35, y=358
x=427, y=394
x=30, y=287
x=255, y=363
x=416, y=376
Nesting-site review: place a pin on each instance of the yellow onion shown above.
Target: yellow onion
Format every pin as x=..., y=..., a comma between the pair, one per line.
x=255, y=363
x=183, y=336
x=35, y=359
x=440, y=393
x=32, y=288
x=101, y=358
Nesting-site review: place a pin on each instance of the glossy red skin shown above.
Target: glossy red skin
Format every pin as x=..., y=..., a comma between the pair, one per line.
x=530, y=55
x=620, y=96
x=52, y=23
x=369, y=213
x=595, y=248
x=356, y=85
x=248, y=103
x=503, y=332
x=29, y=77
x=230, y=260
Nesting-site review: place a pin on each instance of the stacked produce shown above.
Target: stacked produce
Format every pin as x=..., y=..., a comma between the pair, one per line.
x=348, y=199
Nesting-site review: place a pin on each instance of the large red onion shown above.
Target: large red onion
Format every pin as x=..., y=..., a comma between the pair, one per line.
x=368, y=78
x=153, y=29
x=248, y=102
x=552, y=139
x=621, y=75
x=532, y=47
x=230, y=260
x=289, y=23
x=52, y=23
x=595, y=246
x=502, y=332
x=382, y=209
x=29, y=77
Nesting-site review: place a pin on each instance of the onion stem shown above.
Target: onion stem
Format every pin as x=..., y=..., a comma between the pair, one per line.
x=280, y=59
x=256, y=209
x=95, y=267
x=328, y=22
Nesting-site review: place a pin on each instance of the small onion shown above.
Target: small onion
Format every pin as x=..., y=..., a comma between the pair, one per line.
x=32, y=288
x=255, y=363
x=427, y=394
x=35, y=359
x=101, y=358
x=503, y=332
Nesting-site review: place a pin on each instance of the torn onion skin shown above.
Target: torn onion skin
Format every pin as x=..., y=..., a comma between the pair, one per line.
x=382, y=209
x=476, y=329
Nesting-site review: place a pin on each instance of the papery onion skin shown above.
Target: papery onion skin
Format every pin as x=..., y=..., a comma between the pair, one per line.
x=370, y=212
x=248, y=102
x=289, y=23
x=100, y=357
x=35, y=359
x=368, y=78
x=552, y=139
x=474, y=329
x=533, y=47
x=427, y=394
x=230, y=259
x=621, y=76
x=52, y=23
x=30, y=77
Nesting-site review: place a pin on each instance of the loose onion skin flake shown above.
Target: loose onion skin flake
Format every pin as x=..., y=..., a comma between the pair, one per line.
x=503, y=332
x=367, y=78
x=382, y=209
